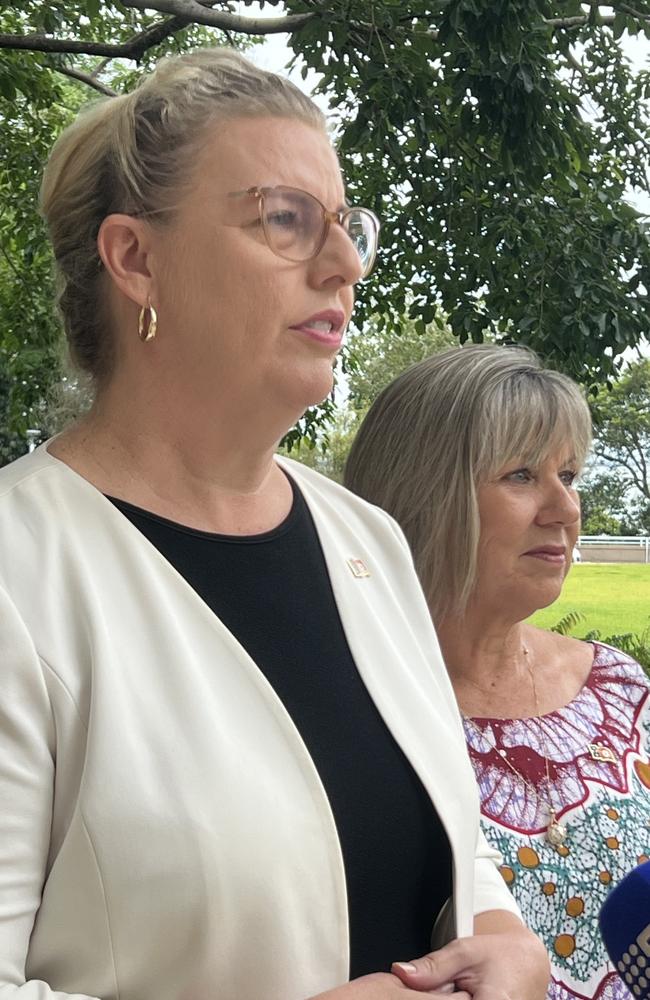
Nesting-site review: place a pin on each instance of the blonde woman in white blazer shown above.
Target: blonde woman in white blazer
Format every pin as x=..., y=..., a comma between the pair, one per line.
x=230, y=761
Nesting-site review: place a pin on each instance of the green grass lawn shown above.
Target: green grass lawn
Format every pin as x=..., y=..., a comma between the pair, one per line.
x=614, y=598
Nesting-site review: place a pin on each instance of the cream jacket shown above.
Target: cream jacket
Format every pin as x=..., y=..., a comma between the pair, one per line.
x=164, y=834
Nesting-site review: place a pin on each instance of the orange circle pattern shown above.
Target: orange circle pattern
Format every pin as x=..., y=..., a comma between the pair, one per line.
x=508, y=874
x=575, y=906
x=528, y=857
x=564, y=945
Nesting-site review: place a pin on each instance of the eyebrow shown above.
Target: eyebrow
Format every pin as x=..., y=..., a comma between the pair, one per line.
x=343, y=206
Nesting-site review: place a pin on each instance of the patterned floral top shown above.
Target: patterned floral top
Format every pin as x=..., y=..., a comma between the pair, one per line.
x=604, y=804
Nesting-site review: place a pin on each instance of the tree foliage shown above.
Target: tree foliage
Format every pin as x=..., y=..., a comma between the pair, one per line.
x=503, y=201
x=622, y=442
x=605, y=505
x=375, y=356
x=497, y=139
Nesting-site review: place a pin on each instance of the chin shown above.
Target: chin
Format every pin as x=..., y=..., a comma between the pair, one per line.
x=312, y=387
x=545, y=599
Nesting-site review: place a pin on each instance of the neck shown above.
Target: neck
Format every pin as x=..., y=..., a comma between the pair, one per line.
x=484, y=656
x=211, y=469
x=488, y=664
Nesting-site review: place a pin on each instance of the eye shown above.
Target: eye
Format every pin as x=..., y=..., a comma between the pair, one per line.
x=282, y=219
x=519, y=476
x=568, y=477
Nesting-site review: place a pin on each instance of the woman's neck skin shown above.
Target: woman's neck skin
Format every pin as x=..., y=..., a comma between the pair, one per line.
x=485, y=663
x=151, y=445
x=491, y=672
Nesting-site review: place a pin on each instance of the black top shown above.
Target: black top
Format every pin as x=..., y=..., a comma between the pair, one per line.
x=273, y=592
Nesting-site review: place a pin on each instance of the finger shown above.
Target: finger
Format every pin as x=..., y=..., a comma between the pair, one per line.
x=457, y=995
x=437, y=969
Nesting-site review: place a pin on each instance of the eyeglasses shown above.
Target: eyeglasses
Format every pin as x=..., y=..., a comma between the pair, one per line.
x=296, y=224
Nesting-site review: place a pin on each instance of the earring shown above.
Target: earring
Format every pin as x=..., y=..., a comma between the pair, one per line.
x=147, y=331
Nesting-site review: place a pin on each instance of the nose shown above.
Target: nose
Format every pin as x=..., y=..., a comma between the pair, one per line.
x=559, y=504
x=338, y=262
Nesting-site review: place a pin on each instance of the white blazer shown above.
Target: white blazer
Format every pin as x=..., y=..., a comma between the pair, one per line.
x=164, y=834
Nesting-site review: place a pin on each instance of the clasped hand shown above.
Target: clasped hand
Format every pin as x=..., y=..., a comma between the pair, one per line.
x=502, y=966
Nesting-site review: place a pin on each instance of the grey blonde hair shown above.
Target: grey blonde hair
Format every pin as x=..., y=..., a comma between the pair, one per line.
x=132, y=154
x=443, y=428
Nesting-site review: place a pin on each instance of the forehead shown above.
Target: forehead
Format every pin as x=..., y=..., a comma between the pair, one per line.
x=263, y=152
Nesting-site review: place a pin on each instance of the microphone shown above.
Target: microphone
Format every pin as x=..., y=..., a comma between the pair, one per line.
x=625, y=927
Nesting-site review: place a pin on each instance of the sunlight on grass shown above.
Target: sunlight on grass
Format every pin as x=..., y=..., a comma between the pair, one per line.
x=614, y=598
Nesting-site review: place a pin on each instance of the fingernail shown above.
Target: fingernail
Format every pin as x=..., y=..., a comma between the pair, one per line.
x=405, y=966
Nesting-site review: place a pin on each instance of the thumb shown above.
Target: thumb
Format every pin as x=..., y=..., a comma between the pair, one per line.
x=437, y=971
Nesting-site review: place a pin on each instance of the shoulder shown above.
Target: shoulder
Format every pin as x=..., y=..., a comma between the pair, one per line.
x=45, y=508
x=38, y=483
x=21, y=472
x=563, y=654
x=619, y=664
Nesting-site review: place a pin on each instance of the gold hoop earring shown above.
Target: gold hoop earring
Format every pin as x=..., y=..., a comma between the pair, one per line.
x=147, y=330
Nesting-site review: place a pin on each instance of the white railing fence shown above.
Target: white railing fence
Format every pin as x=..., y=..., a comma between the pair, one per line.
x=631, y=541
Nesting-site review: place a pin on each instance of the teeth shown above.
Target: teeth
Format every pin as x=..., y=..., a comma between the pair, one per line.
x=322, y=326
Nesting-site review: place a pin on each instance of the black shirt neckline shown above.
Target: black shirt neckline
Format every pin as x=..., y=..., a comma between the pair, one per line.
x=265, y=536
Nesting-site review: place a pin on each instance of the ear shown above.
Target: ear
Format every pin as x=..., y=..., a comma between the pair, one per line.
x=125, y=245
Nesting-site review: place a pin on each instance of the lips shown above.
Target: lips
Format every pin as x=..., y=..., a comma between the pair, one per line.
x=325, y=327
x=549, y=553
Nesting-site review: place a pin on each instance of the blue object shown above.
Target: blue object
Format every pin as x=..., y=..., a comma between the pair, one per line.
x=625, y=928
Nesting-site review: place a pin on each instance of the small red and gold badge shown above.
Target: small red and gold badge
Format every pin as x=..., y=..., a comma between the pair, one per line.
x=603, y=754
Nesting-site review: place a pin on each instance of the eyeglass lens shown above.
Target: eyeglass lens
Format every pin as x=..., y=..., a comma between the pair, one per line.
x=294, y=225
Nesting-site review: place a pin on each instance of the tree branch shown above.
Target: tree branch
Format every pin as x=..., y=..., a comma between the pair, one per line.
x=196, y=12
x=155, y=34
x=43, y=43
x=90, y=81
x=618, y=460
x=578, y=21
x=185, y=12
x=100, y=67
x=626, y=9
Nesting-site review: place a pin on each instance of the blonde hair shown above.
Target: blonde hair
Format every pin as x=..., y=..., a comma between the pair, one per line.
x=132, y=154
x=443, y=428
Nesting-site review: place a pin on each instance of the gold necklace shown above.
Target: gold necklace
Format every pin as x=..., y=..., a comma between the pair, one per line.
x=556, y=833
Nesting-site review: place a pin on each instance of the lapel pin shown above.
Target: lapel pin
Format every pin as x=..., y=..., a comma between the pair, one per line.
x=358, y=568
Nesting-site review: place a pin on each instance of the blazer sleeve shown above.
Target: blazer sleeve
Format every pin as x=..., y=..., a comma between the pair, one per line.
x=490, y=891
x=27, y=766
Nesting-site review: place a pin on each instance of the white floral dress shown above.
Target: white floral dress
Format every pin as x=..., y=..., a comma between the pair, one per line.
x=598, y=750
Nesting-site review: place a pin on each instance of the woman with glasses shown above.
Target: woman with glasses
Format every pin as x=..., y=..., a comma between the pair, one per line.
x=218, y=698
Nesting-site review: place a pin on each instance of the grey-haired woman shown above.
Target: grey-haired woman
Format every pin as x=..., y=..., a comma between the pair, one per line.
x=212, y=783
x=476, y=452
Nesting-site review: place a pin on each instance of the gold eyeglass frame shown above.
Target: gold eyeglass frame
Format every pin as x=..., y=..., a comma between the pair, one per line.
x=329, y=217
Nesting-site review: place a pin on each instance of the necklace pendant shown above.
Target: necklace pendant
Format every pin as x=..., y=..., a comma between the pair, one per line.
x=556, y=834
